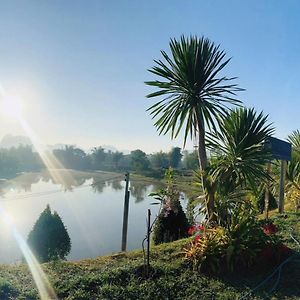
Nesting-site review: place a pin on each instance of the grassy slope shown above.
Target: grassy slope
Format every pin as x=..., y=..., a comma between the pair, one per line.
x=119, y=277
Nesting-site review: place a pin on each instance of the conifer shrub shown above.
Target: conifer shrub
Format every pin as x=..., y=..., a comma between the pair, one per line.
x=49, y=238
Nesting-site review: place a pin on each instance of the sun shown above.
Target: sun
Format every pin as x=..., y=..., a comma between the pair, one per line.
x=11, y=107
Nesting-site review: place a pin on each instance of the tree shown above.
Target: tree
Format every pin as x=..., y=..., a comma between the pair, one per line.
x=159, y=160
x=190, y=160
x=175, y=157
x=98, y=157
x=139, y=160
x=195, y=94
x=49, y=238
x=116, y=158
x=241, y=152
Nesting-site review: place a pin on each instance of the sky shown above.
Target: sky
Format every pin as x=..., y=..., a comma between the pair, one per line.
x=79, y=66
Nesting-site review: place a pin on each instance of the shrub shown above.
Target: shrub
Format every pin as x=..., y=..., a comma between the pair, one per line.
x=172, y=223
x=49, y=239
x=7, y=290
x=246, y=243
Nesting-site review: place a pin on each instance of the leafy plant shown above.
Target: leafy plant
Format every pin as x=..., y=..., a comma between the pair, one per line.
x=194, y=92
x=171, y=223
x=207, y=250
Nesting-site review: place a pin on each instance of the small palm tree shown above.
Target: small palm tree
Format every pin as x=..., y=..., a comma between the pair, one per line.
x=241, y=153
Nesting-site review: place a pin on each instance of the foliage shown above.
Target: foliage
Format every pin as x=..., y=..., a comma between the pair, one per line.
x=139, y=160
x=49, y=238
x=117, y=277
x=72, y=157
x=239, y=143
x=245, y=243
x=175, y=157
x=18, y=159
x=7, y=290
x=159, y=160
x=191, y=89
x=191, y=161
x=171, y=223
x=205, y=250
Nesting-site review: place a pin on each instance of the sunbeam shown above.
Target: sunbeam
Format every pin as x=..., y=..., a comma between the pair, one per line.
x=43, y=285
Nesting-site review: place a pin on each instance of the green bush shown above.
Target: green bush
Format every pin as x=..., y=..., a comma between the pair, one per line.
x=7, y=290
x=49, y=238
x=172, y=223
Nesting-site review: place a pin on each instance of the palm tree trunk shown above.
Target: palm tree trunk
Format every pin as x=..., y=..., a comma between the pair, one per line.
x=203, y=162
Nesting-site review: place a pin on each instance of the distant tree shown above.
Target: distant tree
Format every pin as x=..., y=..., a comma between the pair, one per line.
x=191, y=161
x=49, y=238
x=98, y=157
x=116, y=158
x=72, y=157
x=159, y=160
x=139, y=160
x=175, y=157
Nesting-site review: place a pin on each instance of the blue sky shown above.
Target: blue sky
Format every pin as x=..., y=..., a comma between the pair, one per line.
x=79, y=66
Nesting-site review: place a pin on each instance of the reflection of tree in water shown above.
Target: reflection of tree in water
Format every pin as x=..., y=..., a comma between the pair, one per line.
x=25, y=181
x=68, y=180
x=98, y=185
x=138, y=190
x=116, y=185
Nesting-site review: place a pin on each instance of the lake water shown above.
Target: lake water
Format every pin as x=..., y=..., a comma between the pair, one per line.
x=90, y=205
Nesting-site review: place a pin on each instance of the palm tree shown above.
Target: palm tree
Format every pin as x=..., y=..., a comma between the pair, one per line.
x=241, y=153
x=195, y=93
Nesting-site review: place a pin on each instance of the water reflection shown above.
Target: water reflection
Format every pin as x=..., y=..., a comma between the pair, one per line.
x=90, y=204
x=98, y=181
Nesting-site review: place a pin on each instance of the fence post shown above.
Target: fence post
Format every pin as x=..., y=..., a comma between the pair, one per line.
x=125, y=213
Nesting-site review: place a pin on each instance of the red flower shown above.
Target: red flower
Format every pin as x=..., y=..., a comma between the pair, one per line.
x=270, y=229
x=197, y=238
x=192, y=230
x=201, y=227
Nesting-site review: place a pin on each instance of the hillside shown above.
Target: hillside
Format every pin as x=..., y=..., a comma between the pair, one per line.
x=120, y=276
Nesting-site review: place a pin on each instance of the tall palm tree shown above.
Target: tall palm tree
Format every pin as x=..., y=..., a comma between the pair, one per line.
x=194, y=92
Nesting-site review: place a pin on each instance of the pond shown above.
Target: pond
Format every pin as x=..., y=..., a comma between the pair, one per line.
x=90, y=205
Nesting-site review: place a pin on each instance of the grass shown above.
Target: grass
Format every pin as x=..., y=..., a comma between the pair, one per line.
x=120, y=276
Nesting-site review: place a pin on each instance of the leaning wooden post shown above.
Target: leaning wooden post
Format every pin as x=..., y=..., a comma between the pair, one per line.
x=125, y=213
x=282, y=184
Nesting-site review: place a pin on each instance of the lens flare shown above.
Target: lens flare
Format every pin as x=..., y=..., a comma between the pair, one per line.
x=43, y=285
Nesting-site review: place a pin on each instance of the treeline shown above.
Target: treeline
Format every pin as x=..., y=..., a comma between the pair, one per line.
x=138, y=161
x=19, y=159
x=24, y=159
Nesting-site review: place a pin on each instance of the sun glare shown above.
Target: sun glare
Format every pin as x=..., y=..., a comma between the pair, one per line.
x=11, y=107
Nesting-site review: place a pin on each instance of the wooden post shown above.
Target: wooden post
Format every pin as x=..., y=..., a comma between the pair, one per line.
x=125, y=214
x=267, y=193
x=282, y=183
x=148, y=242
